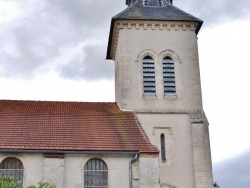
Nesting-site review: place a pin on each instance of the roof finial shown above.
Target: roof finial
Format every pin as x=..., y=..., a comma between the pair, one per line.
x=129, y=2
x=170, y=1
x=150, y=3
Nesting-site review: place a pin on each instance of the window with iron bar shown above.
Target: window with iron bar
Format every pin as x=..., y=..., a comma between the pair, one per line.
x=12, y=167
x=95, y=174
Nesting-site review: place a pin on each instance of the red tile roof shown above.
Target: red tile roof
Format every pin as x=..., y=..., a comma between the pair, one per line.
x=70, y=126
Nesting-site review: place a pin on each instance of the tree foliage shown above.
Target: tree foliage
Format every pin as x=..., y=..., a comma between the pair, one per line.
x=9, y=182
x=43, y=185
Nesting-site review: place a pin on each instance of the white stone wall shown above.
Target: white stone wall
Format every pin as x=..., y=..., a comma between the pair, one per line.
x=188, y=162
x=33, y=165
x=68, y=172
x=202, y=156
x=178, y=169
x=135, y=40
x=53, y=171
x=118, y=170
x=149, y=172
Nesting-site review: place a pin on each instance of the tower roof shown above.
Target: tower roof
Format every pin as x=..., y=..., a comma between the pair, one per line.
x=152, y=10
x=161, y=10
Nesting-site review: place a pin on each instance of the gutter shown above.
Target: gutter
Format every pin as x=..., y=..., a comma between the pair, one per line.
x=130, y=171
x=69, y=152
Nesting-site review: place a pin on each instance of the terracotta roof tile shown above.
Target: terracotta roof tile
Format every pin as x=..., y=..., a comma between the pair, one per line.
x=76, y=126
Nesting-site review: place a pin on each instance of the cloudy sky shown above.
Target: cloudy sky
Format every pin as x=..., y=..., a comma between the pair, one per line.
x=55, y=50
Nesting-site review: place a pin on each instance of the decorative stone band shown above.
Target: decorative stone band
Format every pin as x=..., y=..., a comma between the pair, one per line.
x=198, y=116
x=149, y=25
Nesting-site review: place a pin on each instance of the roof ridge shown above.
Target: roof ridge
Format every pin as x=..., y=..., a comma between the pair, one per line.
x=51, y=101
x=125, y=9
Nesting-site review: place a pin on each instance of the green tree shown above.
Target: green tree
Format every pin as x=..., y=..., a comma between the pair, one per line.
x=9, y=182
x=43, y=185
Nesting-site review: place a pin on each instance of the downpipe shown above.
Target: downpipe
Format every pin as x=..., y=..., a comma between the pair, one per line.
x=130, y=171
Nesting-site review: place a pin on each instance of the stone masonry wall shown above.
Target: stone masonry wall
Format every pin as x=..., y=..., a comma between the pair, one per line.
x=53, y=171
x=149, y=172
x=158, y=40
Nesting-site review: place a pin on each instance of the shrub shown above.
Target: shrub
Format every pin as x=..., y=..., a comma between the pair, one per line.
x=9, y=182
x=43, y=185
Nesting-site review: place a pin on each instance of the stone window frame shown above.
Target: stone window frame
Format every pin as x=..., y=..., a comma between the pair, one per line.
x=139, y=62
x=101, y=171
x=177, y=72
x=169, y=143
x=159, y=82
x=12, y=166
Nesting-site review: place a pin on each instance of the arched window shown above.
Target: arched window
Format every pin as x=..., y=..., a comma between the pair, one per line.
x=95, y=174
x=148, y=76
x=168, y=76
x=13, y=167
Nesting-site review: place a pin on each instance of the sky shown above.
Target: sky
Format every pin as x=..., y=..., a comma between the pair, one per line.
x=56, y=49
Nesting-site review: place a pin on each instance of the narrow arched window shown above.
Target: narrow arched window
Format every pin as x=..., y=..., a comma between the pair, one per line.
x=148, y=76
x=12, y=167
x=163, y=148
x=95, y=173
x=168, y=76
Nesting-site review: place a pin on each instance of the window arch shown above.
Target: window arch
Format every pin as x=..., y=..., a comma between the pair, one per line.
x=168, y=76
x=148, y=75
x=95, y=173
x=12, y=166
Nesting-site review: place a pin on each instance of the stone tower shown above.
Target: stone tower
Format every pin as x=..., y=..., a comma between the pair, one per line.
x=154, y=46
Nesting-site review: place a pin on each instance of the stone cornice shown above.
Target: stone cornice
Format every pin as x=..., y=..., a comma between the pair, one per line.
x=148, y=25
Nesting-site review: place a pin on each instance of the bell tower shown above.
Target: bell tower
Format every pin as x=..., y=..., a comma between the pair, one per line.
x=154, y=46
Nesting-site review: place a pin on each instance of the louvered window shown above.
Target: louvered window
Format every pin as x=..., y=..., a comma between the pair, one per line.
x=12, y=167
x=95, y=174
x=169, y=76
x=148, y=76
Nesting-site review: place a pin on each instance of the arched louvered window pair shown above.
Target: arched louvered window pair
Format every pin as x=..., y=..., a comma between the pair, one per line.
x=149, y=85
x=12, y=167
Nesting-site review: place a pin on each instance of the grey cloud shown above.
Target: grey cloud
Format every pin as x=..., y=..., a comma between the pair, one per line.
x=234, y=172
x=92, y=67
x=91, y=13
x=51, y=27
x=214, y=12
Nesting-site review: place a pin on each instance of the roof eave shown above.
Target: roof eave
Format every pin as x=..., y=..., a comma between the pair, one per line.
x=198, y=27
x=41, y=151
x=108, y=55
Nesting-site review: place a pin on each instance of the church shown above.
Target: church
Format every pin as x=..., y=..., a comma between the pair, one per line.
x=155, y=135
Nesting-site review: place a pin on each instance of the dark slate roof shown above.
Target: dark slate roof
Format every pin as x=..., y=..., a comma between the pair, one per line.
x=166, y=13
x=70, y=126
x=137, y=11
